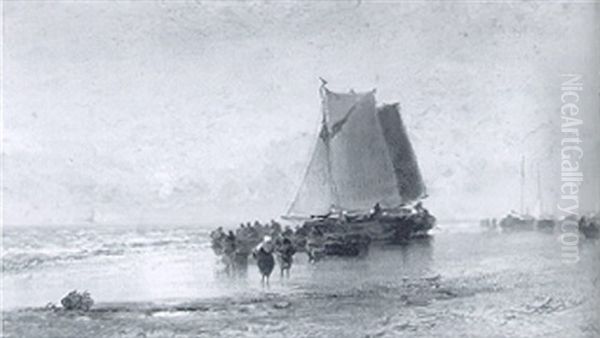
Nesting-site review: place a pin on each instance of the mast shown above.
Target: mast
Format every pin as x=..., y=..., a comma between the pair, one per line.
x=539, y=190
x=326, y=137
x=597, y=211
x=522, y=209
x=92, y=217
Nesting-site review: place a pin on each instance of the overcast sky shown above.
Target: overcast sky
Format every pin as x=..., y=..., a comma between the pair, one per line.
x=200, y=112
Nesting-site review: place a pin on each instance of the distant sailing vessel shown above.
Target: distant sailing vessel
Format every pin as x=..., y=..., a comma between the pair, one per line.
x=543, y=221
x=91, y=219
x=518, y=221
x=537, y=219
x=363, y=180
x=590, y=226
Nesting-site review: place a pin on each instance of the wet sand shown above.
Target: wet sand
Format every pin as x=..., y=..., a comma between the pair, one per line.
x=486, y=306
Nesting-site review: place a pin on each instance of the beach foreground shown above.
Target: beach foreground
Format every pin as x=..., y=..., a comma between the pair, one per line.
x=460, y=284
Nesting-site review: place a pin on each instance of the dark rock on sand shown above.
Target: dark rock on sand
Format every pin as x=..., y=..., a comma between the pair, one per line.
x=76, y=301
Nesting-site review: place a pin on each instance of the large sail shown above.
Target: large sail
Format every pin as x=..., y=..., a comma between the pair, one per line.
x=361, y=168
x=408, y=177
x=315, y=196
x=362, y=157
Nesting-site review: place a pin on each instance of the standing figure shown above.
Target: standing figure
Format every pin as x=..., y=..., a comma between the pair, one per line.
x=217, y=237
x=228, y=252
x=314, y=245
x=285, y=254
x=263, y=254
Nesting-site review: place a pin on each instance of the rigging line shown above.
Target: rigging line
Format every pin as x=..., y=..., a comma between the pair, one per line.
x=325, y=135
x=322, y=91
x=307, y=170
x=337, y=127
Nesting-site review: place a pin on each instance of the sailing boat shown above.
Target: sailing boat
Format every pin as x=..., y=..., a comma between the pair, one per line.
x=362, y=184
x=543, y=222
x=91, y=219
x=363, y=180
x=518, y=220
x=590, y=225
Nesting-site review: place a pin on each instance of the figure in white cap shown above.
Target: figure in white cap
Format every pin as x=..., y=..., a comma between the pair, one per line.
x=263, y=254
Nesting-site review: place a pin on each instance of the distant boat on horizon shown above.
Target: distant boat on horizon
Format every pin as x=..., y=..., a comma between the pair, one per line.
x=524, y=220
x=92, y=218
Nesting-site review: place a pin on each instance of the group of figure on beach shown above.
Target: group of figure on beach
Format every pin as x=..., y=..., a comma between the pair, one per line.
x=588, y=225
x=274, y=244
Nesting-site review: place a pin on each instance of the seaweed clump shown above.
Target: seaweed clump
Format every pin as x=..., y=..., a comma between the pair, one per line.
x=77, y=301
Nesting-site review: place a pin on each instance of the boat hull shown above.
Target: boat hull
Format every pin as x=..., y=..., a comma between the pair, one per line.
x=389, y=229
x=347, y=237
x=545, y=225
x=516, y=224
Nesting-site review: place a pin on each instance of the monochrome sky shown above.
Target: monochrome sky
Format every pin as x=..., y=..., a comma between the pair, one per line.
x=206, y=112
